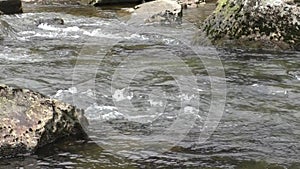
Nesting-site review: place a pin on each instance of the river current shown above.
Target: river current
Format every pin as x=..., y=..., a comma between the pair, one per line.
x=149, y=92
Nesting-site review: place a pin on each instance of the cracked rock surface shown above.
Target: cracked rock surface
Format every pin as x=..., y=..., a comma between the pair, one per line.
x=29, y=120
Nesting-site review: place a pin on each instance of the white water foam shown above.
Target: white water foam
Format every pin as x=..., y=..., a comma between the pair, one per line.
x=103, y=113
x=100, y=33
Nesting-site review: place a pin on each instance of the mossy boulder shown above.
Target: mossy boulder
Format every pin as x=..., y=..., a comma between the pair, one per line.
x=265, y=24
x=29, y=120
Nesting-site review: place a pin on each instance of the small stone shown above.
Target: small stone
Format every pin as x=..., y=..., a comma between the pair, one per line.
x=50, y=21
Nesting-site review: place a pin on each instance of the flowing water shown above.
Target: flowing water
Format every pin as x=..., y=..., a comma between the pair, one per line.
x=148, y=92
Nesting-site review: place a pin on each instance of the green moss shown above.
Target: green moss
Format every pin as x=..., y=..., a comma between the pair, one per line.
x=221, y=3
x=227, y=8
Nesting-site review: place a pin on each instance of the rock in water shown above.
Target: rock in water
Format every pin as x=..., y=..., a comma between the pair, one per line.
x=50, y=21
x=159, y=11
x=109, y=2
x=265, y=24
x=29, y=120
x=10, y=6
x=190, y=3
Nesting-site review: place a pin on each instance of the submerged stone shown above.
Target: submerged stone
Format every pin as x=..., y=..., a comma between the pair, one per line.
x=29, y=120
x=256, y=24
x=50, y=21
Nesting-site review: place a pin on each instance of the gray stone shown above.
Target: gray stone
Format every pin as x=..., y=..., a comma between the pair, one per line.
x=269, y=24
x=10, y=6
x=29, y=120
x=159, y=11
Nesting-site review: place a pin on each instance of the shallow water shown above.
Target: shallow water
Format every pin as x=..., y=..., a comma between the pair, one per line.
x=148, y=92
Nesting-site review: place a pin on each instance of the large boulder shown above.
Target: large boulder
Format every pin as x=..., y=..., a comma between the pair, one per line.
x=255, y=24
x=159, y=11
x=29, y=120
x=10, y=7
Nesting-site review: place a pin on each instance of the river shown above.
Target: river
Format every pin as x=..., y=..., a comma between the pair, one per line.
x=148, y=91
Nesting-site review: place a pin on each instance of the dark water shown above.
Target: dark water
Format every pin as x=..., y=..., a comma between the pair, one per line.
x=148, y=92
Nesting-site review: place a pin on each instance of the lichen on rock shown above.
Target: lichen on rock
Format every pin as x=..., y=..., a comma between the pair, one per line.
x=30, y=120
x=256, y=23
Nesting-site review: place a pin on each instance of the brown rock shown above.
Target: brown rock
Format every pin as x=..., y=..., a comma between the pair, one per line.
x=29, y=120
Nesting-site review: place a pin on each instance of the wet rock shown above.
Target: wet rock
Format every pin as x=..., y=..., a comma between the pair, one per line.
x=10, y=7
x=190, y=3
x=265, y=24
x=109, y=2
x=50, y=21
x=194, y=3
x=29, y=120
x=112, y=2
x=159, y=11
